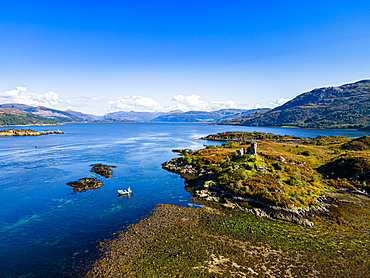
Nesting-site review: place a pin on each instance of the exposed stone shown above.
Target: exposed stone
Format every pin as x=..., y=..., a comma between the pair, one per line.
x=103, y=170
x=186, y=171
x=240, y=152
x=196, y=183
x=28, y=132
x=252, y=149
x=85, y=183
x=282, y=159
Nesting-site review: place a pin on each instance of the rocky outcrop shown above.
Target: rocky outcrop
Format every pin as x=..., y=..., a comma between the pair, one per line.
x=300, y=216
x=103, y=170
x=185, y=170
x=197, y=183
x=85, y=183
x=28, y=132
x=349, y=167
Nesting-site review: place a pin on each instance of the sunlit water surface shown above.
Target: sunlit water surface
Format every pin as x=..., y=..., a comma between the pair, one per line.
x=46, y=231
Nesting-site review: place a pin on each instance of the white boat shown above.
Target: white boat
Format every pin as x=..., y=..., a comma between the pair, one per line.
x=124, y=192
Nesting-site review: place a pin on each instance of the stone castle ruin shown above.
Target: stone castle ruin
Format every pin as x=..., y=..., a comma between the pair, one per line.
x=252, y=149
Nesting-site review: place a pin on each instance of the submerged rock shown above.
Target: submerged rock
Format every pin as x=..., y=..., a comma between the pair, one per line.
x=85, y=183
x=103, y=170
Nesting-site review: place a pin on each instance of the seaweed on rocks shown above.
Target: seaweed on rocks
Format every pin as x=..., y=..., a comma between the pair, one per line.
x=85, y=183
x=101, y=169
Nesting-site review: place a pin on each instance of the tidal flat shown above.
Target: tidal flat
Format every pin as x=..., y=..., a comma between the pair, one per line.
x=213, y=241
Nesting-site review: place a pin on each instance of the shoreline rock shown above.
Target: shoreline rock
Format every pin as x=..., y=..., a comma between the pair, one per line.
x=176, y=241
x=28, y=132
x=101, y=169
x=85, y=183
x=196, y=178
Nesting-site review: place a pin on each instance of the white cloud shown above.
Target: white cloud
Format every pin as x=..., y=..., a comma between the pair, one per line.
x=135, y=103
x=21, y=95
x=279, y=102
x=103, y=105
x=194, y=102
x=221, y=104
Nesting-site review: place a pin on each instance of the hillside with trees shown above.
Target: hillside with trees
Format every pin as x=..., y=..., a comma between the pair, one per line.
x=9, y=116
x=343, y=107
x=205, y=116
x=53, y=114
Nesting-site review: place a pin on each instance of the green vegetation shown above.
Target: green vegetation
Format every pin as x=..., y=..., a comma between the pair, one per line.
x=185, y=242
x=28, y=132
x=343, y=107
x=245, y=136
x=15, y=117
x=358, y=144
x=215, y=241
x=288, y=171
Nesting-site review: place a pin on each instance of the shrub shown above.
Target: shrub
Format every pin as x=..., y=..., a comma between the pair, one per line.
x=305, y=153
x=278, y=166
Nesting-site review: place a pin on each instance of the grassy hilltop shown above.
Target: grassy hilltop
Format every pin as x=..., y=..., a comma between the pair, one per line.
x=289, y=171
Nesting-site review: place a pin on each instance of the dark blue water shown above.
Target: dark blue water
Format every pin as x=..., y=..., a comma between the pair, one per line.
x=45, y=231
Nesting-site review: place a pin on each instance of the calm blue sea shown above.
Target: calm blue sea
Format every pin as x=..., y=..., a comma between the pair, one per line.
x=46, y=231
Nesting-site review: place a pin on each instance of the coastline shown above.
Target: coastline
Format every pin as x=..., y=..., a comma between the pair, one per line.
x=225, y=239
x=297, y=127
x=29, y=132
x=33, y=125
x=179, y=241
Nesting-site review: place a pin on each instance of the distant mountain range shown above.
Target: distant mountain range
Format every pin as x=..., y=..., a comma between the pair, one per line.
x=57, y=116
x=180, y=116
x=10, y=116
x=133, y=116
x=42, y=115
x=205, y=117
x=343, y=107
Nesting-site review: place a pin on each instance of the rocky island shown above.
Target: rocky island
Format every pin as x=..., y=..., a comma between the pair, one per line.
x=101, y=169
x=85, y=183
x=27, y=132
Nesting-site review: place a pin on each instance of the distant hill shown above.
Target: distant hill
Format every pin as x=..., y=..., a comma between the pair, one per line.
x=113, y=120
x=57, y=115
x=132, y=116
x=71, y=116
x=86, y=117
x=343, y=107
x=179, y=116
x=10, y=116
x=204, y=116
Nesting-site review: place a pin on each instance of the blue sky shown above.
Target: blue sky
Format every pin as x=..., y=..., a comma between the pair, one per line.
x=103, y=56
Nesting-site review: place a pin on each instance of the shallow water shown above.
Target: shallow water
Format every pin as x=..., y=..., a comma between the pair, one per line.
x=46, y=231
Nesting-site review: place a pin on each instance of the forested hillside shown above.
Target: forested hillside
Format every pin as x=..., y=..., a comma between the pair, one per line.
x=9, y=116
x=343, y=107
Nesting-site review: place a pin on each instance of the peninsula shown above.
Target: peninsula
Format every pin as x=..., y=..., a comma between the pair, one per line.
x=27, y=132
x=283, y=207
x=288, y=177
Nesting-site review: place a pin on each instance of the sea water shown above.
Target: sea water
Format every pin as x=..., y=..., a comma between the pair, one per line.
x=46, y=230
